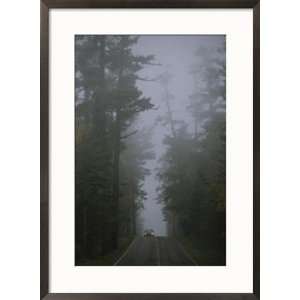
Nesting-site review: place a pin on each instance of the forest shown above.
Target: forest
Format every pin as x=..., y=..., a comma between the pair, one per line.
x=133, y=148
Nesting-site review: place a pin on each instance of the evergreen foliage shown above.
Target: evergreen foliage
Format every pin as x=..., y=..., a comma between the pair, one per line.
x=107, y=103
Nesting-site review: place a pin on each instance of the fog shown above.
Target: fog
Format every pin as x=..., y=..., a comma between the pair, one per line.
x=150, y=149
x=175, y=54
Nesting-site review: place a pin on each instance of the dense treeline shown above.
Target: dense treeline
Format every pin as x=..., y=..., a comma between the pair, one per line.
x=110, y=151
x=193, y=169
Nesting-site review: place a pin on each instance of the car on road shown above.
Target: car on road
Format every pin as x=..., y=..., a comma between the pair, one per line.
x=149, y=233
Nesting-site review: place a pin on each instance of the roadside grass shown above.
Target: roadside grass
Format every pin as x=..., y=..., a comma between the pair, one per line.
x=109, y=259
x=203, y=254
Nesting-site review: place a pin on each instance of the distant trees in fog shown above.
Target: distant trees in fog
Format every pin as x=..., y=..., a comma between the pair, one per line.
x=193, y=169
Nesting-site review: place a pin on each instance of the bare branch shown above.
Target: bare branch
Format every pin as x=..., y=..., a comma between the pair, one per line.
x=145, y=79
x=129, y=134
x=153, y=64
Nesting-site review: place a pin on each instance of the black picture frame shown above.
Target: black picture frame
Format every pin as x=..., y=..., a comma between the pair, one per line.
x=46, y=5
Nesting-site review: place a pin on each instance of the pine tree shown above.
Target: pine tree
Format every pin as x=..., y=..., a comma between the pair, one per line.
x=128, y=102
x=107, y=102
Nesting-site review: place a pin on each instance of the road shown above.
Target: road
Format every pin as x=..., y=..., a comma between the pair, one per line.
x=155, y=251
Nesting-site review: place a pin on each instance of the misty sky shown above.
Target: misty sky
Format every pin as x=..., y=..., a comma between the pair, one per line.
x=175, y=54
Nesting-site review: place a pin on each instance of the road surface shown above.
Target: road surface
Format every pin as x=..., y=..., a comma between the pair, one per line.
x=155, y=251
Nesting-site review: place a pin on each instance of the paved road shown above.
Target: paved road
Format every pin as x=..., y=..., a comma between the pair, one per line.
x=155, y=251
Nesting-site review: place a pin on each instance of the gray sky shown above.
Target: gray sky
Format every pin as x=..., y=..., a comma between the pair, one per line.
x=175, y=54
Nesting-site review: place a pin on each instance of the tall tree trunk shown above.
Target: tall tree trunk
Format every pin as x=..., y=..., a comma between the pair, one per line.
x=116, y=180
x=169, y=111
x=172, y=214
x=116, y=159
x=99, y=117
x=106, y=224
x=100, y=148
x=132, y=209
x=85, y=232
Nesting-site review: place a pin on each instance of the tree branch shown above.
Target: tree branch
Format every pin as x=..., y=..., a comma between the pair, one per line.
x=129, y=134
x=145, y=79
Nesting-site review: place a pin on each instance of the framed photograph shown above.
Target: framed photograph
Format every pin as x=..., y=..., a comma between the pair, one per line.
x=150, y=149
